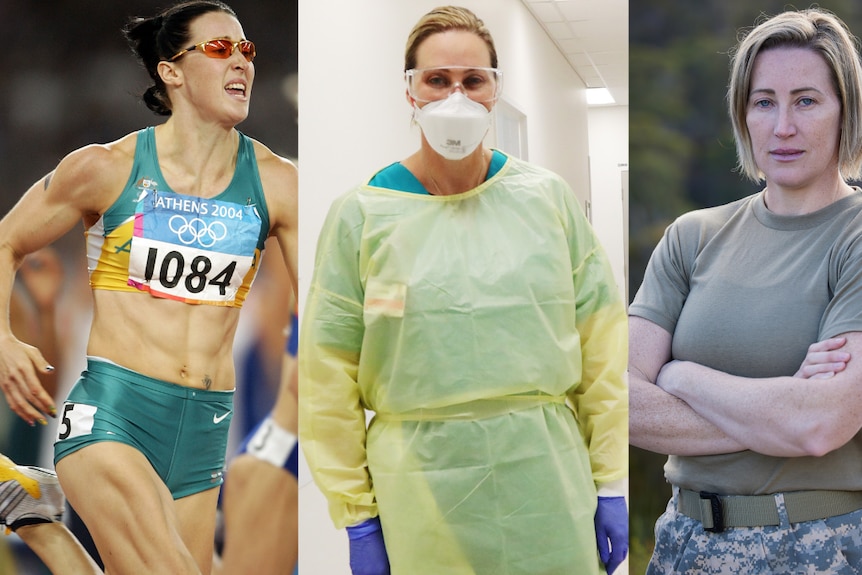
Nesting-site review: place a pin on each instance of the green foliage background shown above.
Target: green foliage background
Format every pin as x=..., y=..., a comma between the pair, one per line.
x=682, y=155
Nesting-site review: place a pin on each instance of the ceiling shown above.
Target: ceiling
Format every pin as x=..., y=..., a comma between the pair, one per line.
x=594, y=38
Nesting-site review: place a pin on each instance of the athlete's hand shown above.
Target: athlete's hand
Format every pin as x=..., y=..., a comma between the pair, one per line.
x=19, y=364
x=824, y=359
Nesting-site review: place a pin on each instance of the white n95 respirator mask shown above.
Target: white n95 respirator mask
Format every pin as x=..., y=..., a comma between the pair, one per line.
x=454, y=127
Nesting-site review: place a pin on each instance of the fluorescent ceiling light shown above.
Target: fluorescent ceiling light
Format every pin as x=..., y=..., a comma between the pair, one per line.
x=599, y=97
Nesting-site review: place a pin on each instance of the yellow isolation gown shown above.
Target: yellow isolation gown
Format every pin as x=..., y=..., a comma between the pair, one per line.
x=485, y=332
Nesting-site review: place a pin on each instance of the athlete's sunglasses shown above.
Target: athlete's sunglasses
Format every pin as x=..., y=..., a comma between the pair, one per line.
x=221, y=48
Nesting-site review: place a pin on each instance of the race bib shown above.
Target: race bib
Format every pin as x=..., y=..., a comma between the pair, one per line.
x=77, y=419
x=192, y=249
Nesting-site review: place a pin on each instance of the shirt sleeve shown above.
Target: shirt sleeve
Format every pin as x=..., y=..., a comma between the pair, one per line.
x=665, y=286
x=844, y=312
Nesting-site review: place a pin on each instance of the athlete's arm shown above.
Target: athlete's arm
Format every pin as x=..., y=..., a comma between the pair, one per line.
x=79, y=188
x=42, y=276
x=658, y=421
x=280, y=186
x=781, y=416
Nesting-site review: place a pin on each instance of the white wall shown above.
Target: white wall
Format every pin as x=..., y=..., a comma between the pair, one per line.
x=609, y=157
x=354, y=120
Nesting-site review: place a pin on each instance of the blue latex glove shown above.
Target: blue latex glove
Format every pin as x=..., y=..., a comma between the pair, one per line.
x=367, y=549
x=612, y=525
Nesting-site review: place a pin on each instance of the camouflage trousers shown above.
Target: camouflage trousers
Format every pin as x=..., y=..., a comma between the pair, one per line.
x=827, y=546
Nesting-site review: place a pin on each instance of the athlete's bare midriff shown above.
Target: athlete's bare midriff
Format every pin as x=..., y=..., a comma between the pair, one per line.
x=189, y=345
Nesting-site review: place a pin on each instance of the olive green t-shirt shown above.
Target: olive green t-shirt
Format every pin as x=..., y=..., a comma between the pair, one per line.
x=746, y=291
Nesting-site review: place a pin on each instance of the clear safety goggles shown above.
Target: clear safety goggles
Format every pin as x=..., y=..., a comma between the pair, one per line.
x=431, y=84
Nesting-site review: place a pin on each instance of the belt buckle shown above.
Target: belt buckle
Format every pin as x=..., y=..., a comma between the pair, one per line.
x=717, y=513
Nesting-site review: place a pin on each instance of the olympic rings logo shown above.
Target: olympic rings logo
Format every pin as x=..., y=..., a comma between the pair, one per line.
x=197, y=230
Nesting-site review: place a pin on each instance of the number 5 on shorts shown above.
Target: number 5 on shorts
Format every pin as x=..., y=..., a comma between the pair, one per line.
x=77, y=419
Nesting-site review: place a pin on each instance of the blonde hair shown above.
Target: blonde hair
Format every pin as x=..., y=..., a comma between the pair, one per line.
x=443, y=19
x=823, y=33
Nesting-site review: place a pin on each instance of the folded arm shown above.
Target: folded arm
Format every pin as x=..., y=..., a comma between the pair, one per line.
x=780, y=416
x=659, y=421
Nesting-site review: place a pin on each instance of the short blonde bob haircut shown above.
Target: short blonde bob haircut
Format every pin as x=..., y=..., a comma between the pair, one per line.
x=824, y=33
x=443, y=19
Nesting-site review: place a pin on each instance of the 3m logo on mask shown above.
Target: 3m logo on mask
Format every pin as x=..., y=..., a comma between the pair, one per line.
x=453, y=142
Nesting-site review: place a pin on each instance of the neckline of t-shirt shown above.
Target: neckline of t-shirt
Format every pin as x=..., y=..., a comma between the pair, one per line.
x=804, y=221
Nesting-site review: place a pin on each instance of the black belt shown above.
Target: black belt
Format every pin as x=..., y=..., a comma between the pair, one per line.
x=717, y=512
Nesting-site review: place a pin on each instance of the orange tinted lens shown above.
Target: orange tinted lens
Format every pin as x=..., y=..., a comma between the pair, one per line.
x=246, y=48
x=218, y=48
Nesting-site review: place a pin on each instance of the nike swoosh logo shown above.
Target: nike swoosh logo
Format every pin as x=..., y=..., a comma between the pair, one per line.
x=218, y=419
